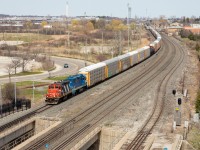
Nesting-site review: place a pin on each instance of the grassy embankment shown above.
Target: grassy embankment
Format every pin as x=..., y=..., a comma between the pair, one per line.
x=26, y=90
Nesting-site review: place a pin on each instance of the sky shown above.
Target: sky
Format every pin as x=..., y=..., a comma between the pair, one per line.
x=115, y=8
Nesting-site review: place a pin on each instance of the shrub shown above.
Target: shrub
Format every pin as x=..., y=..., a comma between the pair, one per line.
x=197, y=47
x=8, y=91
x=185, y=33
x=198, y=55
x=197, y=104
x=194, y=137
x=48, y=65
x=101, y=57
x=192, y=37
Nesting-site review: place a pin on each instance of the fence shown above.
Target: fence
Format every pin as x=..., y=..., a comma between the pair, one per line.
x=10, y=108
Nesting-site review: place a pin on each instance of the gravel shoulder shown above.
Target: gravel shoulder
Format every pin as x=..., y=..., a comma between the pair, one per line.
x=186, y=77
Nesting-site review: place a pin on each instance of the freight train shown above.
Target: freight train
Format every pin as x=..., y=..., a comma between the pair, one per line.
x=93, y=74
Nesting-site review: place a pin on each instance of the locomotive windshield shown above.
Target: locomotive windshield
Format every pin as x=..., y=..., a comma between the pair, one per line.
x=56, y=86
x=51, y=86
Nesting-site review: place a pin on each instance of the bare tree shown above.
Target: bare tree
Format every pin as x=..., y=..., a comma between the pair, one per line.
x=35, y=53
x=16, y=64
x=9, y=68
x=48, y=65
x=25, y=59
x=8, y=92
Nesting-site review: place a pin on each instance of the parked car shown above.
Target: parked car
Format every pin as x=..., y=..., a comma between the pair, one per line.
x=66, y=65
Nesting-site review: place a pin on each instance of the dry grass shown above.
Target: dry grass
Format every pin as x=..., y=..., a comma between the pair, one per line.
x=26, y=37
x=194, y=137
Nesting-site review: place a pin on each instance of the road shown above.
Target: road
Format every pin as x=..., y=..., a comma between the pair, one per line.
x=74, y=66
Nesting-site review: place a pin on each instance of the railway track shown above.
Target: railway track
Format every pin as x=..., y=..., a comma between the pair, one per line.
x=145, y=133
x=146, y=129
x=23, y=118
x=118, y=103
x=94, y=110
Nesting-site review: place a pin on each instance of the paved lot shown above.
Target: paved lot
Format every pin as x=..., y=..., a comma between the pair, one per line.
x=5, y=61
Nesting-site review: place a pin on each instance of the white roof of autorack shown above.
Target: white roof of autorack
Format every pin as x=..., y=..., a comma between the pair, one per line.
x=92, y=67
x=133, y=52
x=111, y=60
x=123, y=56
x=153, y=43
x=143, y=48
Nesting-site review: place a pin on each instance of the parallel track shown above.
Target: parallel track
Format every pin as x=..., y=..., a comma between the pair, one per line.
x=146, y=129
x=23, y=118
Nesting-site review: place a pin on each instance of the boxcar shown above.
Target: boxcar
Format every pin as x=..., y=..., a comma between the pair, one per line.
x=157, y=45
x=153, y=46
x=143, y=53
x=147, y=52
x=134, y=57
x=125, y=62
x=94, y=73
x=112, y=67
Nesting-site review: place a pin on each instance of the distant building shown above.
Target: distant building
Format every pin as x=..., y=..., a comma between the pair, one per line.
x=196, y=26
x=9, y=27
x=194, y=30
x=174, y=28
x=176, y=24
x=47, y=26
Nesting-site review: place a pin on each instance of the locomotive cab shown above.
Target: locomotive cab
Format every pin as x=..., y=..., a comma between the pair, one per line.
x=56, y=92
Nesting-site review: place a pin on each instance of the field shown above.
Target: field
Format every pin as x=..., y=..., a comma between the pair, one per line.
x=26, y=90
x=58, y=78
x=26, y=37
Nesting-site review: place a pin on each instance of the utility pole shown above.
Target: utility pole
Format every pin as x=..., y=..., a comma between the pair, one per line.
x=86, y=47
x=33, y=91
x=146, y=14
x=102, y=42
x=86, y=53
x=1, y=100
x=128, y=23
x=67, y=20
x=3, y=35
x=38, y=36
x=15, y=97
x=120, y=42
x=117, y=42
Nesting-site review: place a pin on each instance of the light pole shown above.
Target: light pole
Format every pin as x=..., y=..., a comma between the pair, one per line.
x=33, y=92
x=128, y=22
x=86, y=53
x=102, y=43
x=15, y=96
x=1, y=99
